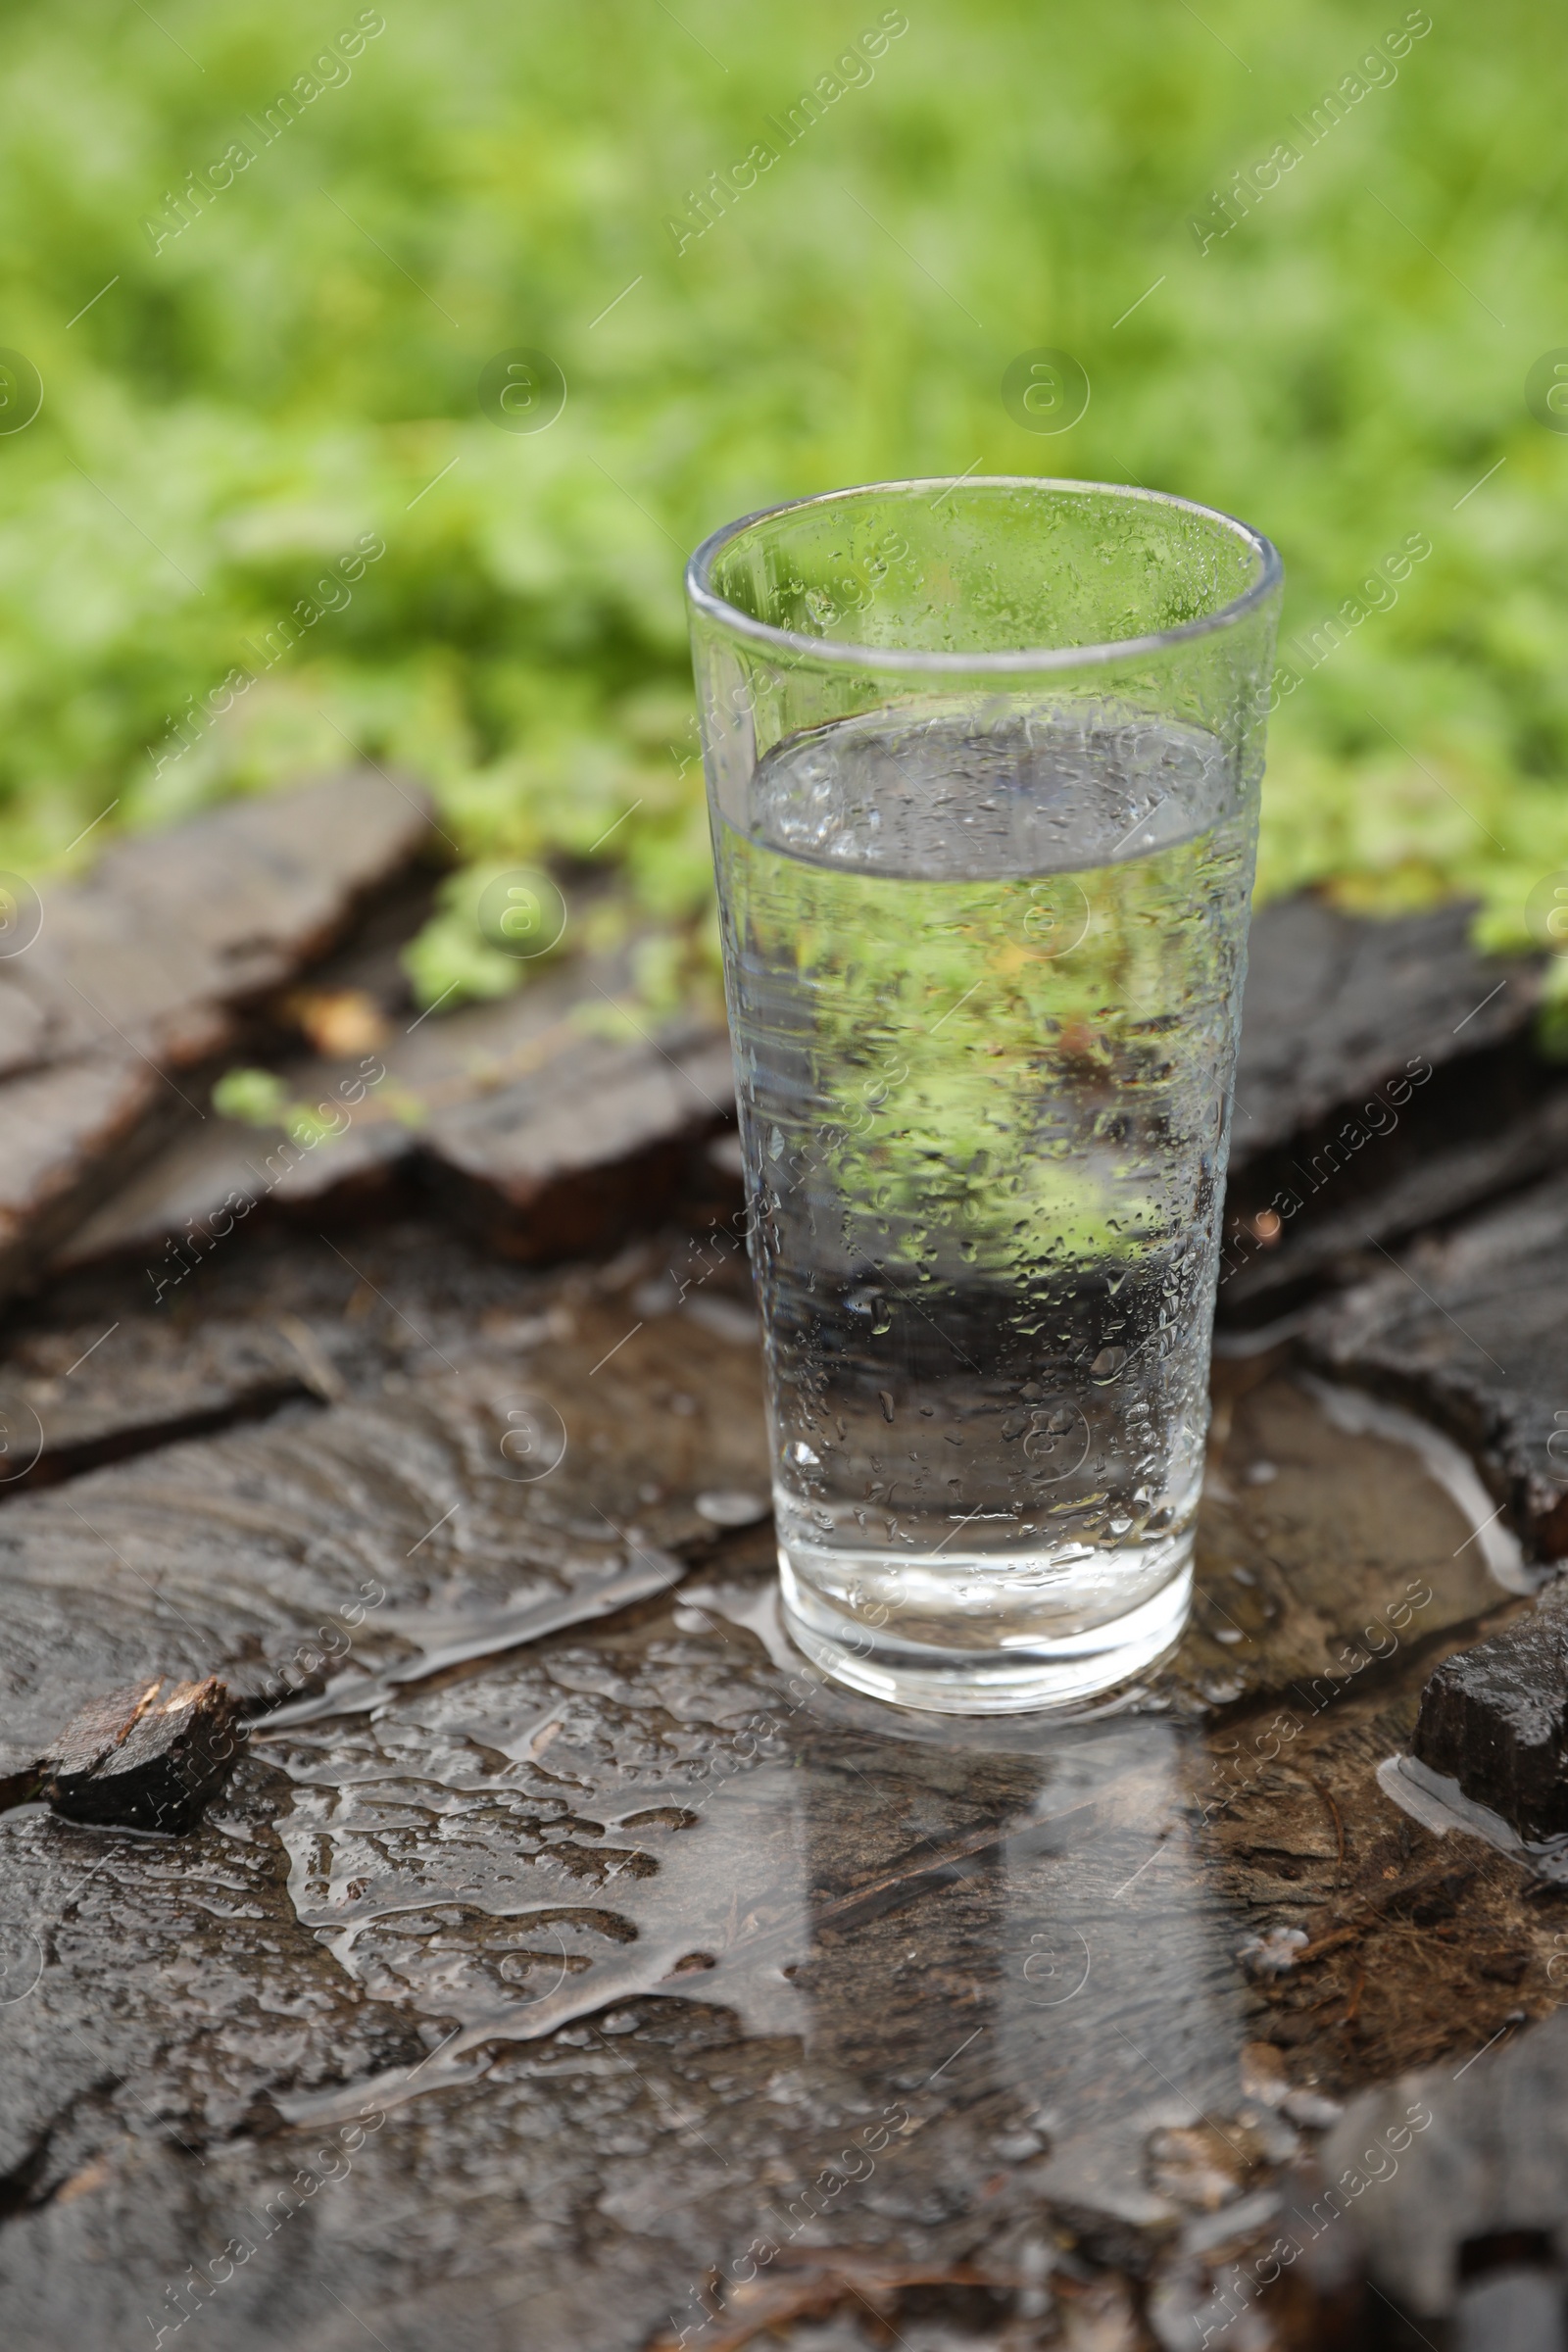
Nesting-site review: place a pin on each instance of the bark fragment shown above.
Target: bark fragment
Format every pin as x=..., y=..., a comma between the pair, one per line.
x=1494, y=1717
x=146, y=1758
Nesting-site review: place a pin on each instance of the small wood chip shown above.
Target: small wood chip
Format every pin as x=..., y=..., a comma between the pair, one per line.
x=146, y=1758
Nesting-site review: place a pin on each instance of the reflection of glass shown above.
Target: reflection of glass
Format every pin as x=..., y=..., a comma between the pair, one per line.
x=1026, y=1933
x=1056, y=1968
x=984, y=873
x=1118, y=2006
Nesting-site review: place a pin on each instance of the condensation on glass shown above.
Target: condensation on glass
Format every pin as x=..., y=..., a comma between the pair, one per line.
x=983, y=763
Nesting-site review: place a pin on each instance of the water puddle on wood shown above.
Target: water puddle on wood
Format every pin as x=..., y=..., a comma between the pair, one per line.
x=517, y=1852
x=636, y=1928
x=1040, y=1916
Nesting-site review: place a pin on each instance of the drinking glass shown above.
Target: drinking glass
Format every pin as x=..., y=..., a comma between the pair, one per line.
x=983, y=761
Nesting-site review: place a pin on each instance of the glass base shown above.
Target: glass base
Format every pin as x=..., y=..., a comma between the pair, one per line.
x=1050, y=1673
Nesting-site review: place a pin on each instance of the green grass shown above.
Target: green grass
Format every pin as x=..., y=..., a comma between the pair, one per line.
x=297, y=368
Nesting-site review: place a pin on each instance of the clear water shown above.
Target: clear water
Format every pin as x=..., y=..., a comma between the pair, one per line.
x=984, y=973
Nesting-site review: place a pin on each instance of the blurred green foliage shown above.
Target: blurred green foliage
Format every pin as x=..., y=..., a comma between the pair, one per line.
x=292, y=378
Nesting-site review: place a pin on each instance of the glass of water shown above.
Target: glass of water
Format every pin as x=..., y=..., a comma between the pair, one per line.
x=983, y=762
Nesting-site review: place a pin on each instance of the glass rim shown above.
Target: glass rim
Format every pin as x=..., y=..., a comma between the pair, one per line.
x=845, y=653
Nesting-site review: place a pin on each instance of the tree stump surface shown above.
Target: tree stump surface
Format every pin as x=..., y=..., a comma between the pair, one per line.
x=563, y=1963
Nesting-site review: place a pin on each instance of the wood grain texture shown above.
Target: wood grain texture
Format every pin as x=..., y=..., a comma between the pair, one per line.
x=138, y=973
x=1469, y=1325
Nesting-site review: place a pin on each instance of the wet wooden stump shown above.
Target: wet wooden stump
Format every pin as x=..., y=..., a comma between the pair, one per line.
x=569, y=1975
x=563, y=1963
x=113, y=989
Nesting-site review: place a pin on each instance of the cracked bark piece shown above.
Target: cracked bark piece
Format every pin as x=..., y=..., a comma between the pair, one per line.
x=140, y=972
x=1336, y=1005
x=144, y=1759
x=220, y=1172
x=1494, y=1717
x=74, y=1397
x=602, y=1136
x=66, y=1127
x=548, y=1138
x=502, y=1468
x=1386, y=1079
x=1458, y=1145
x=170, y=930
x=1469, y=1328
x=194, y=1193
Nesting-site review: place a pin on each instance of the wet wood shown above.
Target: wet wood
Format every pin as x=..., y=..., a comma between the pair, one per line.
x=148, y=1758
x=137, y=974
x=671, y=1950
x=66, y=1127
x=1323, y=1550
x=218, y=1173
x=607, y=1145
x=480, y=1463
x=546, y=1138
x=1321, y=1211
x=581, y=1961
x=74, y=1395
x=1481, y=2189
x=1387, y=1080
x=1494, y=1720
x=1469, y=1327
x=1381, y=1953
x=171, y=931
x=1338, y=1006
